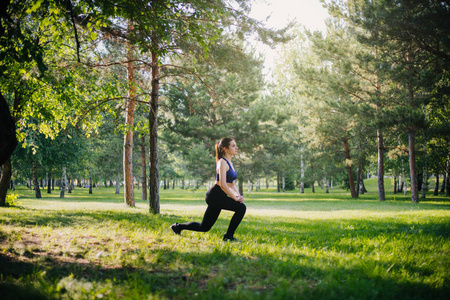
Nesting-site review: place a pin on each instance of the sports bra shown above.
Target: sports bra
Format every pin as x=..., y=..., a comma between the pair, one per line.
x=231, y=174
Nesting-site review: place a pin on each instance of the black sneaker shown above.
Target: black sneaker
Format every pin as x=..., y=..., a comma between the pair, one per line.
x=226, y=238
x=175, y=228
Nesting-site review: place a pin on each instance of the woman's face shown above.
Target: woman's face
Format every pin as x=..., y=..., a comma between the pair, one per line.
x=232, y=148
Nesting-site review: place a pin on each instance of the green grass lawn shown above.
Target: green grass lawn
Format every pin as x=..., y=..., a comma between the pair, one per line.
x=293, y=246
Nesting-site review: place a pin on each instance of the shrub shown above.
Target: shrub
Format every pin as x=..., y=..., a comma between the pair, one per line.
x=11, y=199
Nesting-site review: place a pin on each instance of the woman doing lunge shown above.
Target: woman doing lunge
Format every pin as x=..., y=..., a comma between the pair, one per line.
x=223, y=195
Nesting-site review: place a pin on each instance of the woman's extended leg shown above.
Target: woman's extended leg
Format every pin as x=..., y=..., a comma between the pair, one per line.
x=209, y=218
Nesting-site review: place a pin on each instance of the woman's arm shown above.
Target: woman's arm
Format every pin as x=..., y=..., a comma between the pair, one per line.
x=231, y=192
x=240, y=198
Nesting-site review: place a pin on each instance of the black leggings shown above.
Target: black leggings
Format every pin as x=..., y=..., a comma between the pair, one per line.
x=217, y=200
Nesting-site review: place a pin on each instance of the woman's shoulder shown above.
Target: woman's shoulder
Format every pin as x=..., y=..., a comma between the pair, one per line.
x=222, y=162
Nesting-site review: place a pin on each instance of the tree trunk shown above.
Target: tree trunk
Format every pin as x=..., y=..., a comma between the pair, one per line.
x=4, y=181
x=49, y=183
x=249, y=187
x=278, y=183
x=358, y=179
x=130, y=106
x=361, y=186
x=144, y=169
x=425, y=174
x=404, y=185
x=395, y=184
x=153, y=127
x=284, y=183
x=380, y=168
x=241, y=187
x=13, y=186
x=63, y=183
x=327, y=186
x=37, y=189
x=444, y=182
x=267, y=183
x=436, y=185
x=349, y=169
x=447, y=182
x=313, y=190
x=412, y=165
x=302, y=174
x=8, y=140
x=118, y=185
x=69, y=185
x=258, y=184
x=90, y=179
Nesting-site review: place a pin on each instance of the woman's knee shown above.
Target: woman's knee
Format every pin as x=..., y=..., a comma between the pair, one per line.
x=242, y=208
x=205, y=228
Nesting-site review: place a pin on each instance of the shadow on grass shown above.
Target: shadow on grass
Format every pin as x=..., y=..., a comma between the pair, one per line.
x=224, y=275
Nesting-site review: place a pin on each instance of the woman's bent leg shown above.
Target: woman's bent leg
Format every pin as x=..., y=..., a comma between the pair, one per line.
x=239, y=212
x=219, y=200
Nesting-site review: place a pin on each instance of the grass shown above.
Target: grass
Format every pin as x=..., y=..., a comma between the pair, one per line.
x=294, y=246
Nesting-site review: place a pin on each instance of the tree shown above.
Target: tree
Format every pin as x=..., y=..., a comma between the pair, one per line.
x=412, y=37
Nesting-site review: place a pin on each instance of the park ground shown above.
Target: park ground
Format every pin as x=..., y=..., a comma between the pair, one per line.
x=293, y=246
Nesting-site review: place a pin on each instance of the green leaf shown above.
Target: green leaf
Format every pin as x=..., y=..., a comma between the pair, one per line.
x=35, y=7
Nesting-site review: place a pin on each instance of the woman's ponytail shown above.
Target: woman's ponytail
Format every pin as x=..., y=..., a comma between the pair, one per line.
x=220, y=147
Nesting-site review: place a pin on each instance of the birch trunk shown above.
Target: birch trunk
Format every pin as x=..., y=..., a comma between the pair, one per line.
x=249, y=186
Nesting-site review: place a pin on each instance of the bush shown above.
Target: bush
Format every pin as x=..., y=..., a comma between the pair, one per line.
x=11, y=199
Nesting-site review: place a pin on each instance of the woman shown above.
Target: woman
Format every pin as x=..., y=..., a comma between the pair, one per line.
x=223, y=195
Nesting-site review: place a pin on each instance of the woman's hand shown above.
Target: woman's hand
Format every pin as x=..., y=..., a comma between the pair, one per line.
x=240, y=199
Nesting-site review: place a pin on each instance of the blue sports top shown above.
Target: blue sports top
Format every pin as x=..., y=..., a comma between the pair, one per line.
x=231, y=174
